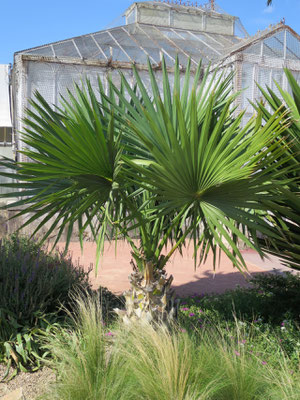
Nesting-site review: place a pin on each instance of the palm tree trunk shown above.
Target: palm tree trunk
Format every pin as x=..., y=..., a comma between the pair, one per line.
x=150, y=297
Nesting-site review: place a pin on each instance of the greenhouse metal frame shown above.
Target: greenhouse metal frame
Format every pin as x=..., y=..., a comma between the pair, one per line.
x=154, y=30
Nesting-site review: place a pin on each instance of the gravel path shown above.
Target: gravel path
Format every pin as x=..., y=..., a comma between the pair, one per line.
x=33, y=383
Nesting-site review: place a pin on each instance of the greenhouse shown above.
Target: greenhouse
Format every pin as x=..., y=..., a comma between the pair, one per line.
x=156, y=29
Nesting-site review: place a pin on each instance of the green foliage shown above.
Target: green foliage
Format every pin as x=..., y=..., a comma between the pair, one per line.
x=34, y=285
x=280, y=296
x=23, y=349
x=33, y=281
x=267, y=338
x=268, y=313
x=108, y=302
x=167, y=165
x=286, y=246
x=87, y=368
x=271, y=297
x=156, y=363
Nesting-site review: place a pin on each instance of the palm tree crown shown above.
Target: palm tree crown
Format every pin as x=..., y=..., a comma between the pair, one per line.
x=167, y=164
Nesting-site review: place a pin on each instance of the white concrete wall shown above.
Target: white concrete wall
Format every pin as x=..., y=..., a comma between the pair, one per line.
x=5, y=118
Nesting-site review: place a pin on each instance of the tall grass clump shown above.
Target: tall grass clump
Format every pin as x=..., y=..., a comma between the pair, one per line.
x=154, y=362
x=87, y=366
x=286, y=384
x=205, y=366
x=164, y=363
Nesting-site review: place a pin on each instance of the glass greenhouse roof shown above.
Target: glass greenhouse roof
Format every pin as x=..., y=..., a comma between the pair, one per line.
x=279, y=41
x=136, y=42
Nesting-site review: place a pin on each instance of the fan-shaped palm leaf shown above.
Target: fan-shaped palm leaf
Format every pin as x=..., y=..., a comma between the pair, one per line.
x=200, y=161
x=169, y=166
x=288, y=247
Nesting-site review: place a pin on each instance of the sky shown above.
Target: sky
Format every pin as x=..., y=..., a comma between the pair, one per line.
x=29, y=23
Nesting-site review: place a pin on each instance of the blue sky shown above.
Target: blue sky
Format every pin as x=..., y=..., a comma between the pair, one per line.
x=25, y=24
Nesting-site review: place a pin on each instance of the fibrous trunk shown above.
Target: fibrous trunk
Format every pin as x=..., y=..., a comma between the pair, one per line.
x=150, y=297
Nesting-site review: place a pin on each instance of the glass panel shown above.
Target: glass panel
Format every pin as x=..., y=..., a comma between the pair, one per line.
x=264, y=80
x=273, y=46
x=131, y=17
x=87, y=47
x=41, y=77
x=297, y=77
x=264, y=75
x=277, y=76
x=254, y=49
x=42, y=51
x=247, y=86
x=65, y=49
x=293, y=47
x=4, y=179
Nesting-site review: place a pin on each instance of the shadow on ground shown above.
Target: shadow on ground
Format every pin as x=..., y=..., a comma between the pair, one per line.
x=210, y=283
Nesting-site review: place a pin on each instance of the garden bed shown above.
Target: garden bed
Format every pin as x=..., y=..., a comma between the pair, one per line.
x=244, y=342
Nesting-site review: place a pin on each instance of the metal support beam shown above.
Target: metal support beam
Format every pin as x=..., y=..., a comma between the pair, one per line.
x=207, y=45
x=175, y=45
x=121, y=47
x=139, y=45
x=52, y=49
x=99, y=47
x=284, y=45
x=87, y=62
x=77, y=49
x=157, y=44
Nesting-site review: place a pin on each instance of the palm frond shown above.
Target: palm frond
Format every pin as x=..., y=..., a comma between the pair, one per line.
x=287, y=212
x=165, y=165
x=201, y=163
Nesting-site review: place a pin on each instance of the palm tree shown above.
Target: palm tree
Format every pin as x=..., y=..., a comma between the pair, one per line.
x=163, y=168
x=288, y=250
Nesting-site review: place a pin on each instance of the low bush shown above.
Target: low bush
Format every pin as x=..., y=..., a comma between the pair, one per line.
x=33, y=281
x=36, y=296
x=272, y=298
x=268, y=312
x=34, y=285
x=279, y=296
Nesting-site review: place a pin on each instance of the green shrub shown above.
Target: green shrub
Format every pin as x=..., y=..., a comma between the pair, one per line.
x=272, y=298
x=279, y=295
x=34, y=285
x=33, y=281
